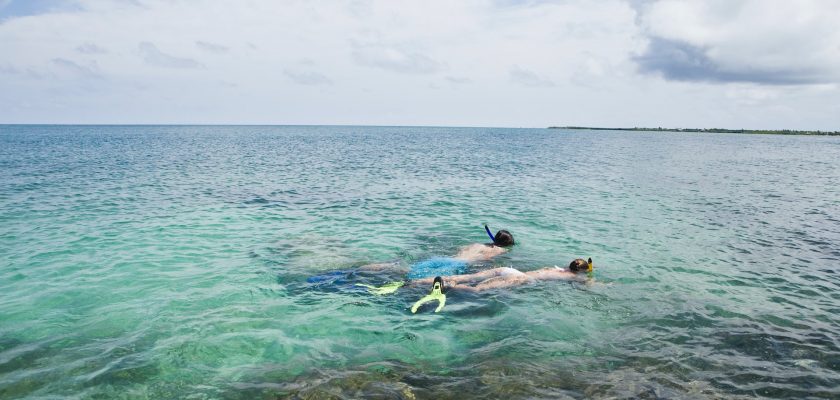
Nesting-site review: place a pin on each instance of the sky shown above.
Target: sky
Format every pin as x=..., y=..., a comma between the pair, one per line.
x=753, y=64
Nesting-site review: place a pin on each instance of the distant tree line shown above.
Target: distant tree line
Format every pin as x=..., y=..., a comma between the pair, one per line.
x=706, y=130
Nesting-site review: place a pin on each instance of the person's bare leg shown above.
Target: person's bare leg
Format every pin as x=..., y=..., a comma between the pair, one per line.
x=492, y=283
x=478, y=276
x=460, y=287
x=388, y=266
x=501, y=282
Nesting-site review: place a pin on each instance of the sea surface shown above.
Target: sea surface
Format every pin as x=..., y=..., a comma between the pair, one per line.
x=172, y=262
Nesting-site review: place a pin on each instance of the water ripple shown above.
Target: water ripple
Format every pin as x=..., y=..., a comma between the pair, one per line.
x=171, y=262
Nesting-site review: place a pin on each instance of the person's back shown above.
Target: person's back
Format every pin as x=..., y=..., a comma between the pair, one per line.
x=483, y=252
x=443, y=266
x=478, y=252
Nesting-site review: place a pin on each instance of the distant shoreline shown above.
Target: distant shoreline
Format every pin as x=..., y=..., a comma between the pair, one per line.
x=589, y=128
x=709, y=130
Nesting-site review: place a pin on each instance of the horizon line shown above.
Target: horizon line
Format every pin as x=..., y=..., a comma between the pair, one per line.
x=555, y=127
x=301, y=125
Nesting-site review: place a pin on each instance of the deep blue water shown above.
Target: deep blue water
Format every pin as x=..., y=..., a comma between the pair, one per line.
x=171, y=262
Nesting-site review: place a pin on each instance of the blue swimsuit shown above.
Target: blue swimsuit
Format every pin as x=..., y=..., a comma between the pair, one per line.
x=438, y=266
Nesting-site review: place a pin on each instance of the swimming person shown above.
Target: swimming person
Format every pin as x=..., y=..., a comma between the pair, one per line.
x=498, y=278
x=495, y=278
x=446, y=266
x=436, y=266
x=485, y=251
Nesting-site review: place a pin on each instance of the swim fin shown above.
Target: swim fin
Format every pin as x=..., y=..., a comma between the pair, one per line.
x=387, y=288
x=436, y=294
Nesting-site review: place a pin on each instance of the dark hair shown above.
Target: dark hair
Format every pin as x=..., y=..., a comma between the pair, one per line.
x=579, y=265
x=503, y=238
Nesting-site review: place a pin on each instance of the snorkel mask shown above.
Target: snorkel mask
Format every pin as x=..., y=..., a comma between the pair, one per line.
x=502, y=238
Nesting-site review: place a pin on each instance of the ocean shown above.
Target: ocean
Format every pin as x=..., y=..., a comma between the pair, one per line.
x=172, y=262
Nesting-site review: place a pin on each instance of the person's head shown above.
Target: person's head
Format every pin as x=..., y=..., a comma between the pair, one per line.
x=581, y=265
x=503, y=238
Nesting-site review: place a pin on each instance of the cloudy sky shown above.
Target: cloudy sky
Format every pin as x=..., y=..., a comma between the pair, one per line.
x=733, y=64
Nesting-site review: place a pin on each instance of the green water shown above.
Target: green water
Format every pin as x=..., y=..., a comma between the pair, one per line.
x=171, y=262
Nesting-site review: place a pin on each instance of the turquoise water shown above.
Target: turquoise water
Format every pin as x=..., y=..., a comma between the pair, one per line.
x=171, y=262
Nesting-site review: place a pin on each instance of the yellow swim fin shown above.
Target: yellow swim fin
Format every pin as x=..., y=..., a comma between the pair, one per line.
x=436, y=294
x=387, y=288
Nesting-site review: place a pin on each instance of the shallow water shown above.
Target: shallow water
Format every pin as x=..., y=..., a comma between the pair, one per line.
x=171, y=262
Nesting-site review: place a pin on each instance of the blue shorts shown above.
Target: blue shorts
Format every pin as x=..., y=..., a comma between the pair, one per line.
x=438, y=266
x=336, y=281
x=334, y=277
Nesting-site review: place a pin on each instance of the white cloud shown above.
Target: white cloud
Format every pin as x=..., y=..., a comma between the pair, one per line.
x=307, y=77
x=395, y=60
x=76, y=70
x=153, y=56
x=211, y=47
x=91, y=48
x=528, y=78
x=380, y=62
x=457, y=80
x=760, y=41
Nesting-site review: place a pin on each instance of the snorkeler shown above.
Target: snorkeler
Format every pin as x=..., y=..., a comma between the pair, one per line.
x=436, y=266
x=498, y=278
x=485, y=251
x=445, y=266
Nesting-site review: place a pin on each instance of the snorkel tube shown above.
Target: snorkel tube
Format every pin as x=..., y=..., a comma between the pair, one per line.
x=486, y=229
